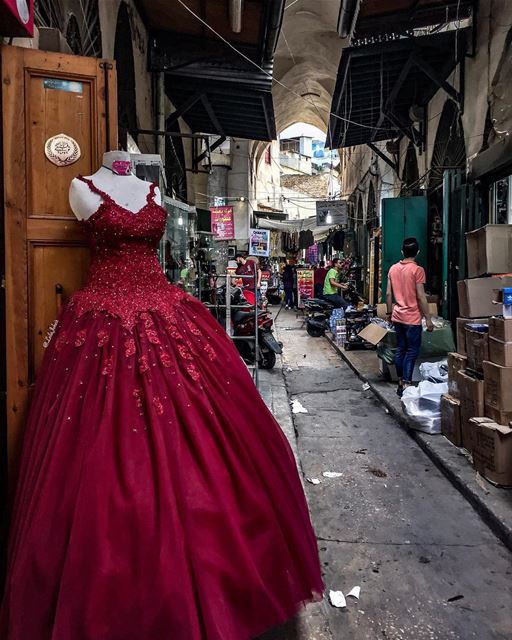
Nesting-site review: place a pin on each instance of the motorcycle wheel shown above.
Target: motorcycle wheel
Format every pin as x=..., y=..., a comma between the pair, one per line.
x=268, y=361
x=314, y=332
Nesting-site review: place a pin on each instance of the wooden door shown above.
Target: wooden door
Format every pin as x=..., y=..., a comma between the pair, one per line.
x=42, y=95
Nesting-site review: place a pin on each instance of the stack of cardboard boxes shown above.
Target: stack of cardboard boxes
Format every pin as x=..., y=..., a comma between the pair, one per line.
x=477, y=412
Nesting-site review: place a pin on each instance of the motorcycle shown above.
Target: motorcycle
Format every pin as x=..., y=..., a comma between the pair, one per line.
x=319, y=312
x=243, y=320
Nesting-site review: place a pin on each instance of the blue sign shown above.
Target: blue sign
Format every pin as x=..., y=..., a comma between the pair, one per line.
x=63, y=85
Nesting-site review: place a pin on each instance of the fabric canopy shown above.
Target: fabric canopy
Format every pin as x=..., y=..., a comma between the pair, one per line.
x=292, y=226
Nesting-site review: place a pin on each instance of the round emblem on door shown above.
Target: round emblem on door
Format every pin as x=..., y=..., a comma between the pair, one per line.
x=62, y=150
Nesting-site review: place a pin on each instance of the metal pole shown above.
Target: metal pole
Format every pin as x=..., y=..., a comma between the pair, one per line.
x=199, y=288
x=160, y=115
x=228, y=306
x=256, y=341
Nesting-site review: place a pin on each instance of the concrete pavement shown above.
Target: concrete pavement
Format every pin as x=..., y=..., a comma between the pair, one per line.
x=428, y=566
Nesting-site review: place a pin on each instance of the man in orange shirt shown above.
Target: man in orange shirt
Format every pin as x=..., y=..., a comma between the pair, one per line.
x=406, y=284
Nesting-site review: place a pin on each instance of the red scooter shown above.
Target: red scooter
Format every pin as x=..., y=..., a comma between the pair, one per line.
x=243, y=324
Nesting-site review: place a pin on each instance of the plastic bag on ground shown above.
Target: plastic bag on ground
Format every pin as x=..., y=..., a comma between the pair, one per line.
x=423, y=405
x=434, y=371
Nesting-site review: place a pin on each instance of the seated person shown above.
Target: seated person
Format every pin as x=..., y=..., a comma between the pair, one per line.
x=333, y=288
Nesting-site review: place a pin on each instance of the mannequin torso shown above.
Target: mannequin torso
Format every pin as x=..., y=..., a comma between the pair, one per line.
x=128, y=191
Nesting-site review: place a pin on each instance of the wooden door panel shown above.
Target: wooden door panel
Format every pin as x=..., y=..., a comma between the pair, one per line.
x=50, y=286
x=44, y=244
x=51, y=111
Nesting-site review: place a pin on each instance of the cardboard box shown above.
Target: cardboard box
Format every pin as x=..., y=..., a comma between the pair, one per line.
x=373, y=333
x=477, y=348
x=456, y=362
x=498, y=386
x=501, y=329
x=433, y=309
x=471, y=391
x=450, y=419
x=489, y=250
x=500, y=352
x=476, y=296
x=382, y=308
x=500, y=417
x=492, y=453
x=460, y=324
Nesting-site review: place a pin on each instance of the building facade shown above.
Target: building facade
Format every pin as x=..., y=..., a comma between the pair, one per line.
x=454, y=149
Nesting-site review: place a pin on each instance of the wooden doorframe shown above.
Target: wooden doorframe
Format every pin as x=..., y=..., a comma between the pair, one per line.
x=16, y=63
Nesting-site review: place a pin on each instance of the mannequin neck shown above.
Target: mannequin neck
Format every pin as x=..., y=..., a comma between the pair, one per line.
x=114, y=156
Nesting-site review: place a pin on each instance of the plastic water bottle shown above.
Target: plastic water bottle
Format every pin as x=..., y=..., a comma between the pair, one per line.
x=341, y=332
x=507, y=302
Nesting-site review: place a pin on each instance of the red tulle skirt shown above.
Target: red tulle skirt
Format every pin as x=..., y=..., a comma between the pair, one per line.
x=158, y=499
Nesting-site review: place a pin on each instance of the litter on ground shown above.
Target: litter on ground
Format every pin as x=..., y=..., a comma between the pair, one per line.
x=354, y=593
x=297, y=407
x=337, y=599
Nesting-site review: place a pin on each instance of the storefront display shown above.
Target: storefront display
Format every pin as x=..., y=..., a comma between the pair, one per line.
x=175, y=254
x=305, y=285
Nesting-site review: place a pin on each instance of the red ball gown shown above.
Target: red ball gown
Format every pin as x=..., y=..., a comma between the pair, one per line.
x=158, y=499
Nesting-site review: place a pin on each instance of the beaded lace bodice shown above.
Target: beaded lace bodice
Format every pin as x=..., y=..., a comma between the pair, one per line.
x=125, y=277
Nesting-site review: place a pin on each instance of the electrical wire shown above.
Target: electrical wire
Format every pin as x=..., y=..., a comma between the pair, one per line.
x=281, y=84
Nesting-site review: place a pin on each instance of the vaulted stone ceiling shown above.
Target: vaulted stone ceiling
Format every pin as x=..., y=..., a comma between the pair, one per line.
x=306, y=61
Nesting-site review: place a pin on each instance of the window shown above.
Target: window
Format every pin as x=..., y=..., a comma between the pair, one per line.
x=501, y=201
x=268, y=158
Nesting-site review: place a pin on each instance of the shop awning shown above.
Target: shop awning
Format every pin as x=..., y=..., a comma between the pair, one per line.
x=372, y=19
x=270, y=215
x=378, y=84
x=294, y=226
x=214, y=88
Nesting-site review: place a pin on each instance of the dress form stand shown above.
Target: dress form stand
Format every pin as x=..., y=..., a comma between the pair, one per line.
x=128, y=191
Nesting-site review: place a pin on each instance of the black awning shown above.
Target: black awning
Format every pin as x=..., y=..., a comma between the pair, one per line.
x=377, y=18
x=378, y=84
x=271, y=215
x=213, y=88
x=218, y=107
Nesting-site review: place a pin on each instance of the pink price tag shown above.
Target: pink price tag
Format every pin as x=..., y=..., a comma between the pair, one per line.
x=121, y=167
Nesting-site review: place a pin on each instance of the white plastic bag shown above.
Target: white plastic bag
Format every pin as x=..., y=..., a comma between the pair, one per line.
x=423, y=405
x=434, y=371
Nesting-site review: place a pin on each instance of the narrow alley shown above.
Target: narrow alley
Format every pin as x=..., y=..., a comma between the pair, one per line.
x=428, y=567
x=315, y=193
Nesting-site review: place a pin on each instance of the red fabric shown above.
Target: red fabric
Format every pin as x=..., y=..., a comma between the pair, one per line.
x=158, y=499
x=404, y=277
x=319, y=276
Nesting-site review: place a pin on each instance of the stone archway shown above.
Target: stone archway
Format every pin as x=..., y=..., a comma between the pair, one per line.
x=78, y=22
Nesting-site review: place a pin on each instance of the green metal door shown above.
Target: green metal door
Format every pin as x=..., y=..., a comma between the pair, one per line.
x=402, y=218
x=462, y=212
